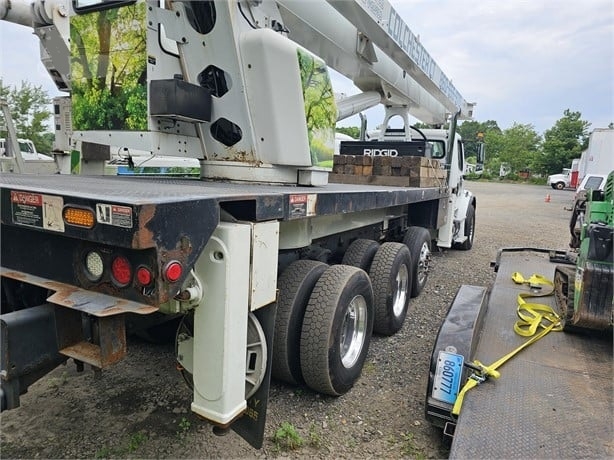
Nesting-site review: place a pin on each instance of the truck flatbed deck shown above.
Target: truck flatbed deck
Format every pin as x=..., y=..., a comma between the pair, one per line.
x=553, y=399
x=270, y=201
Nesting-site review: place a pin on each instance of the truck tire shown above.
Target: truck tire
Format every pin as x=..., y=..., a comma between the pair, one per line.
x=360, y=253
x=418, y=240
x=559, y=185
x=469, y=229
x=295, y=286
x=337, y=330
x=390, y=274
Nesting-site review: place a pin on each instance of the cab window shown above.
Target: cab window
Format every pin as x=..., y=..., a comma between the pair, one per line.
x=438, y=149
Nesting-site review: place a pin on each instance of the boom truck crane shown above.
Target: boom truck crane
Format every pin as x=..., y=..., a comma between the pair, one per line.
x=266, y=265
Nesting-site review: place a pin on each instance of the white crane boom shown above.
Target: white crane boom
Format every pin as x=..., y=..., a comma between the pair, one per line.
x=369, y=43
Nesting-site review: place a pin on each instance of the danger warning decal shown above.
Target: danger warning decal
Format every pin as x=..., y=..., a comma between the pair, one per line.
x=37, y=210
x=112, y=214
x=302, y=205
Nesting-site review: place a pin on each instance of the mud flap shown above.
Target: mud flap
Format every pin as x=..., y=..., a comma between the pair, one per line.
x=252, y=424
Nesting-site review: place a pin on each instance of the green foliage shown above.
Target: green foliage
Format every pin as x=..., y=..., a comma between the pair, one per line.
x=108, y=54
x=410, y=448
x=352, y=131
x=29, y=107
x=103, y=452
x=320, y=108
x=563, y=142
x=56, y=382
x=184, y=427
x=520, y=146
x=135, y=441
x=321, y=153
x=314, y=437
x=469, y=131
x=129, y=446
x=287, y=438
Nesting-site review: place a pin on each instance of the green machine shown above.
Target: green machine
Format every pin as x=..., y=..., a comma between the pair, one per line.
x=584, y=293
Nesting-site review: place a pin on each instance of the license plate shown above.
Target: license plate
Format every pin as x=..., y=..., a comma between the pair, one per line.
x=447, y=377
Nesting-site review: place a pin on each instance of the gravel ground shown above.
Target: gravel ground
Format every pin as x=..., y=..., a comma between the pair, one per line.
x=140, y=407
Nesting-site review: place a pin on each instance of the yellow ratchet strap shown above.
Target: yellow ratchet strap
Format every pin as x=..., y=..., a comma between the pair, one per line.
x=532, y=317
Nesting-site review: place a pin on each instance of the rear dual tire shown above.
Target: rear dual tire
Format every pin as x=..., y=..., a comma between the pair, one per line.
x=391, y=273
x=295, y=286
x=418, y=240
x=337, y=329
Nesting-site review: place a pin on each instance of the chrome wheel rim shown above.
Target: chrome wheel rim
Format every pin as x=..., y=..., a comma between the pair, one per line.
x=400, y=290
x=424, y=260
x=353, y=331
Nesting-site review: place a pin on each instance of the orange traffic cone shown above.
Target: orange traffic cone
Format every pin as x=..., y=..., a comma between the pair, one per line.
x=547, y=199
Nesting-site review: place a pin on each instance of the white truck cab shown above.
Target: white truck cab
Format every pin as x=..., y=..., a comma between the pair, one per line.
x=27, y=148
x=560, y=181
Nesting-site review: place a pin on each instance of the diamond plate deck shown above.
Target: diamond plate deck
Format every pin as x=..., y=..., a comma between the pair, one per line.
x=553, y=400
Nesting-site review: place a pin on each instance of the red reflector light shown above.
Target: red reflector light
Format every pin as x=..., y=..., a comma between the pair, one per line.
x=173, y=271
x=121, y=270
x=144, y=276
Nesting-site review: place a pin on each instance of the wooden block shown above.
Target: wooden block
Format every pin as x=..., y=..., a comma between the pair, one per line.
x=367, y=160
x=348, y=169
x=367, y=170
x=425, y=182
x=385, y=161
x=397, y=162
x=358, y=170
x=339, y=160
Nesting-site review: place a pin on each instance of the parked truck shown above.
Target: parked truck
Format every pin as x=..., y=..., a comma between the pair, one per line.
x=264, y=265
x=18, y=154
x=560, y=181
x=567, y=179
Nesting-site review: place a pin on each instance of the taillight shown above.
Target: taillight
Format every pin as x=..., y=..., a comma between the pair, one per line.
x=121, y=270
x=94, y=265
x=173, y=271
x=144, y=276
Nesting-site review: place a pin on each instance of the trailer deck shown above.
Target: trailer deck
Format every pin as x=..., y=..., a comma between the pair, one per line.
x=269, y=201
x=553, y=399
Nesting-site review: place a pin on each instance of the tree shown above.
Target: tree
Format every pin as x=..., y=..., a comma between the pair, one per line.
x=352, y=131
x=109, y=69
x=563, y=142
x=29, y=107
x=520, y=147
x=469, y=131
x=320, y=112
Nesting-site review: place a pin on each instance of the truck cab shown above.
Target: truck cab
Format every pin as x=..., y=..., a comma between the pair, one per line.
x=27, y=148
x=560, y=181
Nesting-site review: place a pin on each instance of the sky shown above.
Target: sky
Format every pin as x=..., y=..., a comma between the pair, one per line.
x=521, y=61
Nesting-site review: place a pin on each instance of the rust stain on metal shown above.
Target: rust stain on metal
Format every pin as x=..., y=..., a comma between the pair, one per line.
x=94, y=303
x=144, y=237
x=15, y=275
x=241, y=156
x=122, y=307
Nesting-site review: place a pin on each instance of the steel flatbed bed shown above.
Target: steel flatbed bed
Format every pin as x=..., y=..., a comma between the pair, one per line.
x=267, y=201
x=553, y=400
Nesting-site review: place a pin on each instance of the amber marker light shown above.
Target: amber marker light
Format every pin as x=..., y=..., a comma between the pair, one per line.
x=80, y=217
